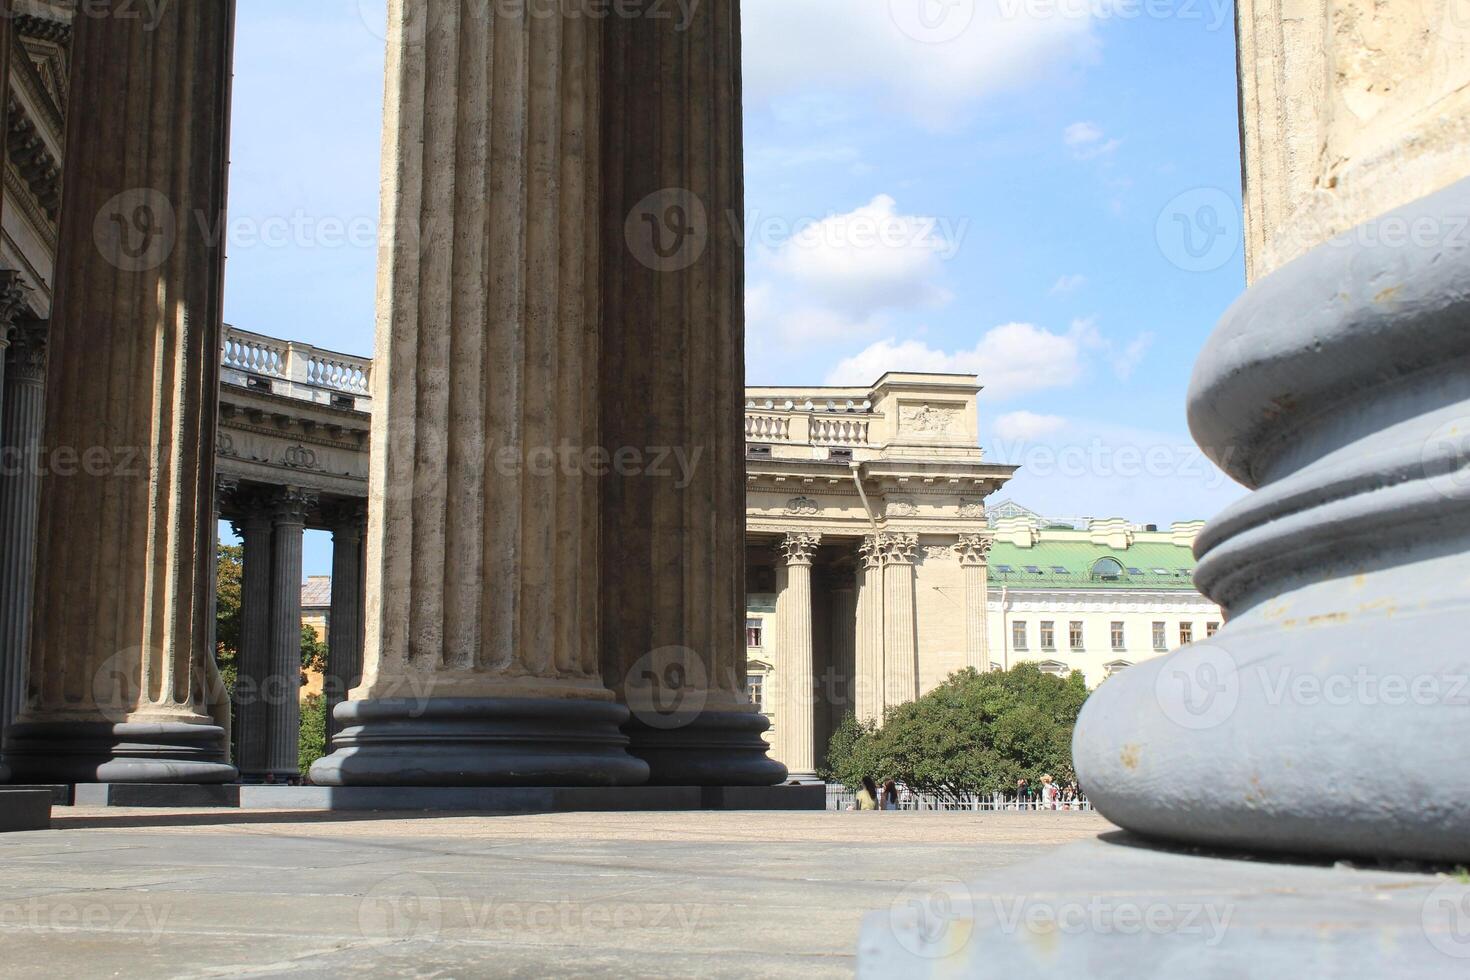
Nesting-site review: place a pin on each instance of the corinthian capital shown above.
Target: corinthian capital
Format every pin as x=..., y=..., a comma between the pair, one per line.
x=974, y=549
x=871, y=551
x=899, y=549
x=799, y=547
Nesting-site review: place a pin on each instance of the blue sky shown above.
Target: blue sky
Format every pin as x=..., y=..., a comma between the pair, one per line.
x=1042, y=192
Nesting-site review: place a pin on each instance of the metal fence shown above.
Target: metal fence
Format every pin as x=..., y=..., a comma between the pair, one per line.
x=839, y=797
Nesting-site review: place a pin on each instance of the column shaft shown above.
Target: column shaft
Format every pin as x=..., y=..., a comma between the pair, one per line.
x=672, y=389
x=840, y=690
x=795, y=674
x=870, y=683
x=900, y=655
x=253, y=659
x=344, y=624
x=480, y=660
x=22, y=413
x=973, y=549
x=282, y=690
x=123, y=566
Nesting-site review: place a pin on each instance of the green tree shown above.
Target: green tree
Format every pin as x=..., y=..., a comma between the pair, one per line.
x=227, y=630
x=975, y=733
x=313, y=743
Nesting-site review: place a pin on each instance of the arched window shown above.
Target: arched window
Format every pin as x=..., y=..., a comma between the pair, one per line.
x=1107, y=569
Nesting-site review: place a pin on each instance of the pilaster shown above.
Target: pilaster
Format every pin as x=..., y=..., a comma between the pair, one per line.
x=974, y=550
x=795, y=675
x=869, y=683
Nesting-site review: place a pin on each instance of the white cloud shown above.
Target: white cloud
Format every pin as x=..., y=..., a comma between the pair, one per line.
x=1026, y=425
x=1087, y=140
x=935, y=71
x=1127, y=360
x=1067, y=284
x=870, y=259
x=1010, y=360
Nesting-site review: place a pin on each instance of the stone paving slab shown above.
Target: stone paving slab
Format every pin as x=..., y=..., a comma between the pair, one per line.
x=155, y=893
x=1117, y=907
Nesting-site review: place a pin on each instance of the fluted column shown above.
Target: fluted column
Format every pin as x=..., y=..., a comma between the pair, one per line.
x=253, y=658
x=122, y=592
x=281, y=693
x=870, y=683
x=344, y=624
x=900, y=655
x=839, y=690
x=795, y=675
x=22, y=412
x=480, y=661
x=974, y=549
x=216, y=695
x=672, y=392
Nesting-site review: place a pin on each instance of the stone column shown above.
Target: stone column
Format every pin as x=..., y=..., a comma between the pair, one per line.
x=900, y=654
x=117, y=664
x=217, y=697
x=974, y=549
x=795, y=674
x=1328, y=715
x=282, y=690
x=253, y=659
x=839, y=691
x=344, y=624
x=480, y=662
x=672, y=394
x=869, y=683
x=22, y=410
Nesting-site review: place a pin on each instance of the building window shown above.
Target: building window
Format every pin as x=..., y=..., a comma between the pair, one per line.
x=1048, y=635
x=1211, y=629
x=1074, y=634
x=755, y=688
x=1160, y=643
x=1118, y=642
x=1186, y=634
x=1116, y=666
x=1107, y=569
x=1053, y=667
x=1018, y=635
x=753, y=632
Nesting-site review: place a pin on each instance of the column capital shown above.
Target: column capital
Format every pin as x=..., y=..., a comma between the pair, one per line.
x=26, y=358
x=345, y=517
x=290, y=504
x=870, y=552
x=799, y=547
x=898, y=549
x=14, y=304
x=974, y=549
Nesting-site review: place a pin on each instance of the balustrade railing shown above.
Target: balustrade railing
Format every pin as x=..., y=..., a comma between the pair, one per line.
x=839, y=431
x=296, y=364
x=768, y=428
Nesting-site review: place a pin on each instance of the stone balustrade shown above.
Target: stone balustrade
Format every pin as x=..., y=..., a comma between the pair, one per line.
x=296, y=370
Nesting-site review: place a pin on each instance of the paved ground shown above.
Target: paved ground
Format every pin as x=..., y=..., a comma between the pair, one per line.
x=213, y=893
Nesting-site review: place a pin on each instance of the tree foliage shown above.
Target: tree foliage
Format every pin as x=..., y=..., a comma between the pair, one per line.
x=313, y=740
x=975, y=733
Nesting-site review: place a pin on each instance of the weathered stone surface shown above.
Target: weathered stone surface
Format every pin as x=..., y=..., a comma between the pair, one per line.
x=1111, y=908
x=1349, y=108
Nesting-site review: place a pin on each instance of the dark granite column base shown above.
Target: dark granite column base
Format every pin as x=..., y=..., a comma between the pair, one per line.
x=480, y=742
x=718, y=748
x=107, y=752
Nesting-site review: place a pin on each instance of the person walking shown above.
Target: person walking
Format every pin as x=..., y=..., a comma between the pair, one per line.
x=867, y=794
x=1049, y=793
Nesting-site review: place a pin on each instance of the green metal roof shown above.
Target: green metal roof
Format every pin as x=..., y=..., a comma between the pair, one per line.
x=1076, y=558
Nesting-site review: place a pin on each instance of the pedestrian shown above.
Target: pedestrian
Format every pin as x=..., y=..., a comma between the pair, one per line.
x=1049, y=793
x=1022, y=791
x=890, y=795
x=867, y=794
